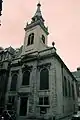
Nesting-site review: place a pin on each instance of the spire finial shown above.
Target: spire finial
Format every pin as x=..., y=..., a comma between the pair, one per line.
x=39, y=4
x=38, y=14
x=38, y=11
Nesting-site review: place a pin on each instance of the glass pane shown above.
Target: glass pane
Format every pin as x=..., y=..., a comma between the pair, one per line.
x=65, y=85
x=44, y=79
x=13, y=83
x=73, y=92
x=28, y=40
x=46, y=101
x=40, y=101
x=69, y=88
x=26, y=77
x=32, y=38
x=43, y=39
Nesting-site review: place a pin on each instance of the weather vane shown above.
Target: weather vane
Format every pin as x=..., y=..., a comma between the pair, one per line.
x=38, y=1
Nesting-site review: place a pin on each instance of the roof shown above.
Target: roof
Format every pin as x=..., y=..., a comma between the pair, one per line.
x=58, y=57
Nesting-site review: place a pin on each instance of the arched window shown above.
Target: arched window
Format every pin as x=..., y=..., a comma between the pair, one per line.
x=44, y=79
x=65, y=86
x=26, y=77
x=43, y=39
x=69, y=88
x=78, y=90
x=30, y=39
x=13, y=82
x=73, y=94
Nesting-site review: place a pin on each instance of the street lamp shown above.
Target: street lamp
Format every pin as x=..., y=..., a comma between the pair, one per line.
x=0, y=7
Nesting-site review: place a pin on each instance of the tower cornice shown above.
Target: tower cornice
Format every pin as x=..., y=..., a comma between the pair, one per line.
x=39, y=22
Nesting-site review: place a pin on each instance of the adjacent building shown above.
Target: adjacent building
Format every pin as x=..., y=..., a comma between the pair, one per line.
x=5, y=58
x=77, y=76
x=39, y=83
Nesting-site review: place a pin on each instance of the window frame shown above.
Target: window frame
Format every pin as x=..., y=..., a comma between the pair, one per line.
x=42, y=80
x=73, y=91
x=65, y=87
x=43, y=100
x=12, y=89
x=69, y=88
x=30, y=39
x=43, y=39
x=43, y=107
x=28, y=78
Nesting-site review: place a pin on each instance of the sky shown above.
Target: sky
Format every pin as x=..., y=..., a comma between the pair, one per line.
x=62, y=18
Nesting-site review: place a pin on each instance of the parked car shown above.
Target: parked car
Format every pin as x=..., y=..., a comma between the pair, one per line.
x=76, y=116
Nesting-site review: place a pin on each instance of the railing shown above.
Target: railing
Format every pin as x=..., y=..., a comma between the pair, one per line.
x=8, y=115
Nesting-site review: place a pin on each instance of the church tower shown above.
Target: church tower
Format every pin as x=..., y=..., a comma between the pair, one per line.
x=35, y=33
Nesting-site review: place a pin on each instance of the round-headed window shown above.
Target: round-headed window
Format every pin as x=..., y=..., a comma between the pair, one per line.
x=13, y=82
x=26, y=77
x=30, y=39
x=43, y=39
x=44, y=79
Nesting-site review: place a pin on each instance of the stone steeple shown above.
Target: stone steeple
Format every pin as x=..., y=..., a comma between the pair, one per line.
x=38, y=14
x=35, y=33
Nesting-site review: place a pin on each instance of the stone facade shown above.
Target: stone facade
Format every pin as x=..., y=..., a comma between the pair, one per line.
x=5, y=57
x=77, y=76
x=39, y=83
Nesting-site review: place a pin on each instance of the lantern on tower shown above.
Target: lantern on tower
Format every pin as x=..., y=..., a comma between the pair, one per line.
x=53, y=43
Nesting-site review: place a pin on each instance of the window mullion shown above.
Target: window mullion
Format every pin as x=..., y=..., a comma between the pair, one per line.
x=30, y=39
x=43, y=100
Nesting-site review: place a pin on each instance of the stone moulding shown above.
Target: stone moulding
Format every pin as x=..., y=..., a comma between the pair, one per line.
x=14, y=72
x=26, y=67
x=47, y=65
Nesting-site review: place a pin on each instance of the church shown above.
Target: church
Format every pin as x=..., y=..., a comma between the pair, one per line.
x=38, y=83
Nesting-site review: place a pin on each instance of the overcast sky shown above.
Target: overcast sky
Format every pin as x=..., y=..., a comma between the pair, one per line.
x=62, y=18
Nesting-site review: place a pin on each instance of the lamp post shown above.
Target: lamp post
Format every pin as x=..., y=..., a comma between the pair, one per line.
x=0, y=9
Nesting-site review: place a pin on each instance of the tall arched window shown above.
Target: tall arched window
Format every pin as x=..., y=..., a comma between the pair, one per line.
x=65, y=86
x=30, y=39
x=26, y=77
x=44, y=79
x=43, y=39
x=69, y=88
x=13, y=82
x=73, y=94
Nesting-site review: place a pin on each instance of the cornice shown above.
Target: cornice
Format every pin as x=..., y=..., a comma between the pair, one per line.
x=46, y=65
x=26, y=67
x=29, y=26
